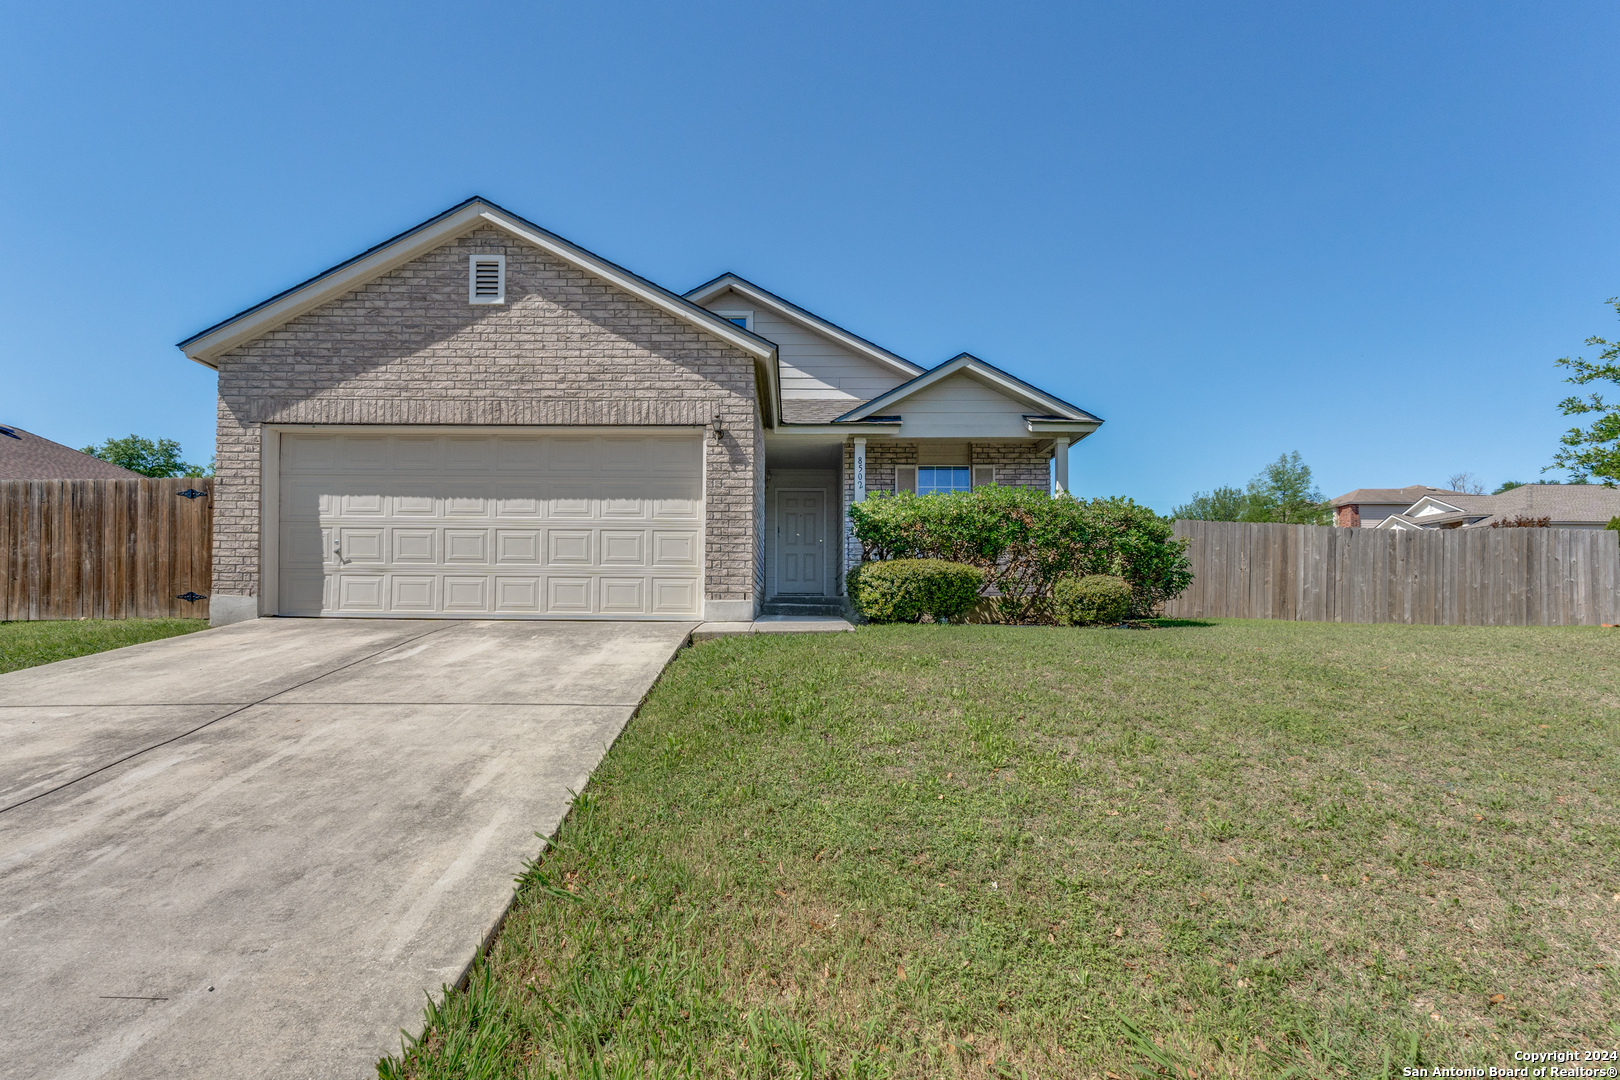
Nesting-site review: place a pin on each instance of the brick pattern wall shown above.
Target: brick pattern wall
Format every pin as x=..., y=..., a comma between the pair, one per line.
x=1347, y=517
x=566, y=348
x=1018, y=464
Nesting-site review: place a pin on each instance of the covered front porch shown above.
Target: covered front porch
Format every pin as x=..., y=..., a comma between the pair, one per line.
x=812, y=477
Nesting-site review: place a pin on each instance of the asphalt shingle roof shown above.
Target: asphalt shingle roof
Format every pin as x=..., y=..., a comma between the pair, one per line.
x=26, y=456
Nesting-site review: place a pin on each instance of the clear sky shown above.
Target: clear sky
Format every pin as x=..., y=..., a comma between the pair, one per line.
x=1363, y=231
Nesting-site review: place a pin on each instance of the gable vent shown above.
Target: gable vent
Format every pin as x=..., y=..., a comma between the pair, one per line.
x=486, y=279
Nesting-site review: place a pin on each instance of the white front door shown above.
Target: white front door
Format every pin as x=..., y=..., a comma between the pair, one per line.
x=801, y=548
x=421, y=524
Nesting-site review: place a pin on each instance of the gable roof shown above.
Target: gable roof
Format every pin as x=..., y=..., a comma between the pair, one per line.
x=1055, y=414
x=793, y=313
x=208, y=345
x=1406, y=495
x=26, y=456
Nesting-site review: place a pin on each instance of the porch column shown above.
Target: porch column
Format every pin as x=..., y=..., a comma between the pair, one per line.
x=860, y=469
x=1060, y=468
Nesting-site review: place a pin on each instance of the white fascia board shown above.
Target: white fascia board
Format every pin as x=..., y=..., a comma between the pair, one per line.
x=836, y=429
x=209, y=345
x=1427, y=502
x=1060, y=427
x=808, y=321
x=1013, y=388
x=205, y=348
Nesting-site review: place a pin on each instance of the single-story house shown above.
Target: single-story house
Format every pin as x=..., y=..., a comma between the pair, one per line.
x=1364, y=508
x=1562, y=506
x=26, y=456
x=478, y=418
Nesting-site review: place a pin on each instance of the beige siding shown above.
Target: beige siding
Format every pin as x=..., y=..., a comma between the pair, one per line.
x=961, y=405
x=811, y=365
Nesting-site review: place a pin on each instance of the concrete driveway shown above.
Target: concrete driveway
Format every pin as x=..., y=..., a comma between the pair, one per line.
x=249, y=851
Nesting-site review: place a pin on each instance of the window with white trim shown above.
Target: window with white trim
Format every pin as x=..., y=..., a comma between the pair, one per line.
x=943, y=479
x=744, y=319
x=486, y=279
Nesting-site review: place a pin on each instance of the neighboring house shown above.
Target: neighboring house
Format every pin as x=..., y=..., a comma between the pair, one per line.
x=1365, y=508
x=26, y=456
x=479, y=418
x=1565, y=506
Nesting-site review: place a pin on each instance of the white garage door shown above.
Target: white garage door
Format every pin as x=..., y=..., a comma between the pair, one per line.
x=521, y=526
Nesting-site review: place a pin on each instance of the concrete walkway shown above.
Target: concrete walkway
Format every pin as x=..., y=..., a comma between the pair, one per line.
x=249, y=851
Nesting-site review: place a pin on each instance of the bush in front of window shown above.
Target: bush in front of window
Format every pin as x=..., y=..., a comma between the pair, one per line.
x=1025, y=541
x=904, y=590
x=1092, y=600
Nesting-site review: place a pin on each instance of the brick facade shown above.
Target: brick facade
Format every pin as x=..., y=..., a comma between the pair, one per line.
x=1347, y=517
x=565, y=349
x=1017, y=463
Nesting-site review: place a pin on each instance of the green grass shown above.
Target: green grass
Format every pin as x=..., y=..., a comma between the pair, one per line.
x=1236, y=849
x=26, y=644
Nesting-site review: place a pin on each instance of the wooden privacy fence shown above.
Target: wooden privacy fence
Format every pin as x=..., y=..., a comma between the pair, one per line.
x=105, y=549
x=1454, y=577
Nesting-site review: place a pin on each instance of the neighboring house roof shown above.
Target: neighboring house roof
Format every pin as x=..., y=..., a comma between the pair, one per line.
x=207, y=346
x=793, y=313
x=26, y=456
x=1048, y=413
x=1563, y=504
x=1405, y=496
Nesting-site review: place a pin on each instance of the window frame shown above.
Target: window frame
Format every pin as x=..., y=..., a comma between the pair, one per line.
x=733, y=316
x=962, y=473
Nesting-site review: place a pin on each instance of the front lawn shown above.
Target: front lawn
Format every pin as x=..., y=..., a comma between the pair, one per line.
x=25, y=644
x=1241, y=848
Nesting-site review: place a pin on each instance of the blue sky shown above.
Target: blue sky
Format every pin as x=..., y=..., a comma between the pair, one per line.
x=1362, y=231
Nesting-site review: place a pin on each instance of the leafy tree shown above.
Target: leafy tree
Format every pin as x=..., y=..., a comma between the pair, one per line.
x=1507, y=485
x=1284, y=491
x=1221, y=504
x=160, y=458
x=1593, y=451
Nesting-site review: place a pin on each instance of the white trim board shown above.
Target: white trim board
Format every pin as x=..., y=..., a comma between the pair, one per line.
x=800, y=317
x=207, y=346
x=1011, y=386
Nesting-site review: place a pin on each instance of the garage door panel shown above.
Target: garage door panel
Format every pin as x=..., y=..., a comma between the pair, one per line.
x=469, y=454
x=517, y=595
x=526, y=456
x=356, y=592
x=674, y=595
x=416, y=455
x=674, y=549
x=624, y=547
x=416, y=546
x=514, y=525
x=567, y=547
x=571, y=456
x=361, y=545
x=364, y=453
x=416, y=504
x=469, y=594
x=416, y=593
x=569, y=595
x=518, y=546
x=624, y=596
x=466, y=546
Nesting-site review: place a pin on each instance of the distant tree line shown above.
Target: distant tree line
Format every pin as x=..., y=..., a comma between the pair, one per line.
x=1282, y=491
x=158, y=458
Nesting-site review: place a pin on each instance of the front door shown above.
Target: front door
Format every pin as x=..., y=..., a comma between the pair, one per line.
x=801, y=548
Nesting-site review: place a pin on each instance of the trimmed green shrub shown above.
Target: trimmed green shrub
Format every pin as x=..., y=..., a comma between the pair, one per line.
x=1093, y=600
x=904, y=590
x=1026, y=540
